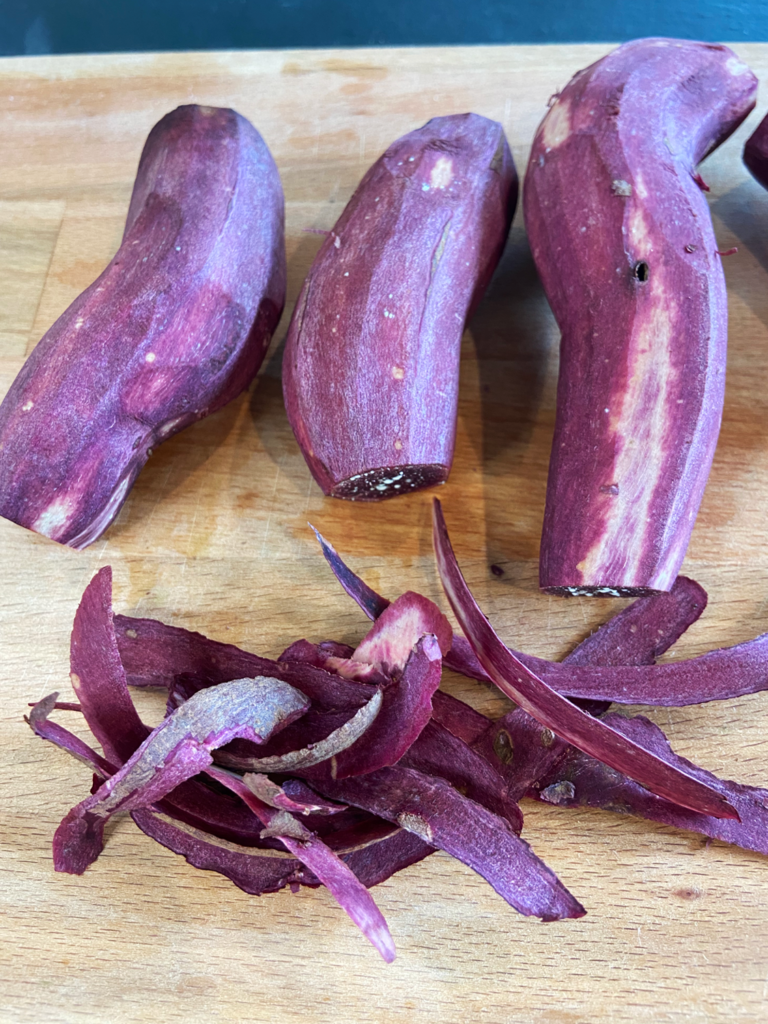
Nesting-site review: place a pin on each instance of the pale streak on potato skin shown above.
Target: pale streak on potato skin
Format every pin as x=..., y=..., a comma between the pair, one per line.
x=371, y=365
x=642, y=362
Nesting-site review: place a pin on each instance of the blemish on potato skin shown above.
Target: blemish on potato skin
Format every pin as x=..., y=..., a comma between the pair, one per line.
x=416, y=824
x=50, y=522
x=442, y=173
x=503, y=747
x=558, y=793
x=556, y=126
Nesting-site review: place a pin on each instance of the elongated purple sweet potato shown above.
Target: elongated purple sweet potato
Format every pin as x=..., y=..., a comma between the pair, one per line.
x=175, y=327
x=371, y=367
x=622, y=238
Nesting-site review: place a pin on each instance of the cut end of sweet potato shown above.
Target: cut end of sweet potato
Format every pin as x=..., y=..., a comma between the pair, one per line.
x=602, y=590
x=389, y=481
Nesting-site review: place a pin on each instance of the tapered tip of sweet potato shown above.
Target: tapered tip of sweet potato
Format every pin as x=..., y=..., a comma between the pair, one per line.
x=602, y=590
x=389, y=481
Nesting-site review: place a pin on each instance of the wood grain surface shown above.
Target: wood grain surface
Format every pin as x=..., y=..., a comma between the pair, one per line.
x=214, y=537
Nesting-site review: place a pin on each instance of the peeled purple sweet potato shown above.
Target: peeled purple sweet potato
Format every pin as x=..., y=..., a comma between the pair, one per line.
x=174, y=328
x=622, y=238
x=371, y=367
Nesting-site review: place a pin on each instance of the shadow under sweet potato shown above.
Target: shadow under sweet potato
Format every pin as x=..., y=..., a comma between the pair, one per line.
x=516, y=342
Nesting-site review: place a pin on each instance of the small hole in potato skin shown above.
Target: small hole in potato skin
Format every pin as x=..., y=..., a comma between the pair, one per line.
x=642, y=271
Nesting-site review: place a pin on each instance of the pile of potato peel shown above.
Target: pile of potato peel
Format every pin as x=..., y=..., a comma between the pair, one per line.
x=340, y=767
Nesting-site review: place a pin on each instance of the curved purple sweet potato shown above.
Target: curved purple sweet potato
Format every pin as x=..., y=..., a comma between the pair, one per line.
x=371, y=367
x=756, y=153
x=175, y=327
x=623, y=241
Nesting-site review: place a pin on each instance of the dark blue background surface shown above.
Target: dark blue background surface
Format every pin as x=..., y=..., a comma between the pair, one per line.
x=81, y=26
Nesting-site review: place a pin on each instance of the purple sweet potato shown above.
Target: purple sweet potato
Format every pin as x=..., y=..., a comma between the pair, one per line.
x=371, y=367
x=622, y=238
x=174, y=328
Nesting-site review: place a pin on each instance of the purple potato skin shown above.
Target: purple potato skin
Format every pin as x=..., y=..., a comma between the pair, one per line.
x=371, y=366
x=622, y=238
x=756, y=153
x=174, y=328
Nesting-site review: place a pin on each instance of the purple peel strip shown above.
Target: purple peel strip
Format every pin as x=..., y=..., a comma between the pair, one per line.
x=354, y=730
x=154, y=654
x=388, y=644
x=718, y=675
x=406, y=709
x=179, y=748
x=255, y=870
x=108, y=708
x=433, y=810
x=98, y=676
x=581, y=781
x=294, y=795
x=522, y=749
x=553, y=710
x=373, y=604
x=41, y=725
x=439, y=753
x=258, y=871
x=457, y=717
x=340, y=881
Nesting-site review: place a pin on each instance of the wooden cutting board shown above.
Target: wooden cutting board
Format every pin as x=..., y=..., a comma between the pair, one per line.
x=214, y=537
